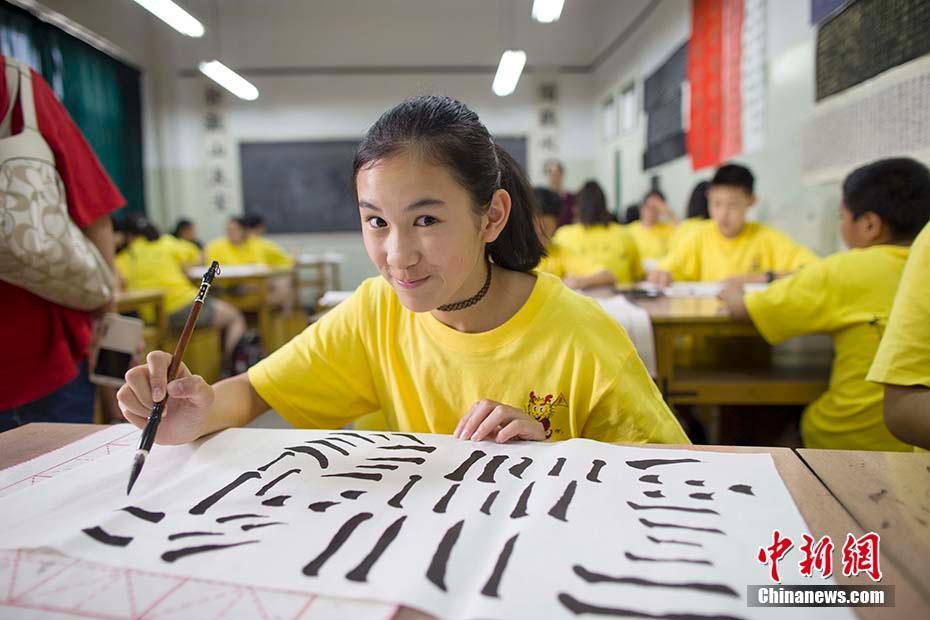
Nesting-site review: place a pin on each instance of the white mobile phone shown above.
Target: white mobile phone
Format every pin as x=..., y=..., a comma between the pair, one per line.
x=118, y=339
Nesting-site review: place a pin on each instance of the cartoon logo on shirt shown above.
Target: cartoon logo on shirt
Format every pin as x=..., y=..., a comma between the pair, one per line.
x=542, y=408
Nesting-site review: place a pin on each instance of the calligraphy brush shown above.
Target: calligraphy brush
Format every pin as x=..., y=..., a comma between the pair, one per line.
x=151, y=427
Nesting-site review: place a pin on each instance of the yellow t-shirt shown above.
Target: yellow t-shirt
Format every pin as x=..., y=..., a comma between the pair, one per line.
x=705, y=255
x=903, y=357
x=227, y=253
x=848, y=295
x=147, y=264
x=610, y=246
x=187, y=253
x=272, y=254
x=684, y=228
x=560, y=358
x=561, y=264
x=652, y=241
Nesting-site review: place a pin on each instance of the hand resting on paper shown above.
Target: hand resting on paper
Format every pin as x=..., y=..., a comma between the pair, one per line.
x=194, y=407
x=488, y=419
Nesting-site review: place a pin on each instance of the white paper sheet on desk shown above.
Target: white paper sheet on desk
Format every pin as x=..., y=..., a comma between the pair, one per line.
x=638, y=327
x=459, y=529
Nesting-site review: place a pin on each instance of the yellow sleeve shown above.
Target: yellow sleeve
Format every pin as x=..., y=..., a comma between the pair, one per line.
x=274, y=255
x=684, y=260
x=903, y=357
x=123, y=264
x=631, y=409
x=790, y=255
x=322, y=377
x=799, y=304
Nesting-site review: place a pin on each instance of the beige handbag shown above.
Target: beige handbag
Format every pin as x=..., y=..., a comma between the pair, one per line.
x=41, y=249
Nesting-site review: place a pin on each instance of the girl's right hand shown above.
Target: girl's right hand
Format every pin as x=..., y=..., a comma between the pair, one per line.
x=189, y=399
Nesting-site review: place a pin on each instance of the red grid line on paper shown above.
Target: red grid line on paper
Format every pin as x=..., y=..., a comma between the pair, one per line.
x=45, y=473
x=75, y=573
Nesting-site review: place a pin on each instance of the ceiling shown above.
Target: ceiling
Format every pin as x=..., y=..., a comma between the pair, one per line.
x=345, y=35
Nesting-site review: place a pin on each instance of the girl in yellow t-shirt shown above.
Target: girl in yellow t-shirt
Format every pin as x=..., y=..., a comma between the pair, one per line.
x=457, y=335
x=597, y=239
x=652, y=235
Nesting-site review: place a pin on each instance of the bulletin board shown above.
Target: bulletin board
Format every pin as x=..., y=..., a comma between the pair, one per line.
x=868, y=37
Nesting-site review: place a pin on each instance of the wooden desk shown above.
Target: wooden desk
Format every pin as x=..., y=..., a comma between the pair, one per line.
x=134, y=301
x=704, y=317
x=887, y=493
x=820, y=509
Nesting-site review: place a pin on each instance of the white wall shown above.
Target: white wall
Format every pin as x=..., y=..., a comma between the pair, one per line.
x=806, y=213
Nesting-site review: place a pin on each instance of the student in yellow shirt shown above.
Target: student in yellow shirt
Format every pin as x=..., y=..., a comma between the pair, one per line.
x=729, y=247
x=186, y=230
x=187, y=248
x=241, y=248
x=236, y=248
x=148, y=261
x=270, y=253
x=696, y=213
x=849, y=295
x=651, y=234
x=902, y=363
x=457, y=335
x=598, y=239
x=576, y=271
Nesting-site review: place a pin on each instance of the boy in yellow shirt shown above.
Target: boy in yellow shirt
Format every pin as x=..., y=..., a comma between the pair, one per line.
x=597, y=239
x=241, y=248
x=236, y=248
x=902, y=363
x=270, y=253
x=729, y=247
x=458, y=335
x=149, y=261
x=651, y=234
x=849, y=295
x=577, y=272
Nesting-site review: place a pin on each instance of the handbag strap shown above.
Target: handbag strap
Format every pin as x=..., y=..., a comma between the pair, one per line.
x=25, y=97
x=12, y=87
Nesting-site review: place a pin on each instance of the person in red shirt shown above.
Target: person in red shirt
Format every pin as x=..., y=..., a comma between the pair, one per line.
x=43, y=368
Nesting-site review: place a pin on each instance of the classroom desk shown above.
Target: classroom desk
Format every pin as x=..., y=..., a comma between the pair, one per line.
x=885, y=492
x=133, y=301
x=784, y=382
x=821, y=510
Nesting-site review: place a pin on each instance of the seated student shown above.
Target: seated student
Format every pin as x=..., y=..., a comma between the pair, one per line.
x=849, y=295
x=599, y=240
x=236, y=248
x=457, y=335
x=241, y=248
x=147, y=262
x=186, y=252
x=902, y=363
x=270, y=253
x=729, y=247
x=187, y=231
x=651, y=234
x=695, y=214
x=576, y=271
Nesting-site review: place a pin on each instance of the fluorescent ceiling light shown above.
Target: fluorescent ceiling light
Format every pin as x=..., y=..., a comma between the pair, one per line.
x=547, y=11
x=508, y=72
x=229, y=79
x=174, y=16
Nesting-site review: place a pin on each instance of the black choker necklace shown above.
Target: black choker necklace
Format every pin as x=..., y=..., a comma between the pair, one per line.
x=471, y=301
